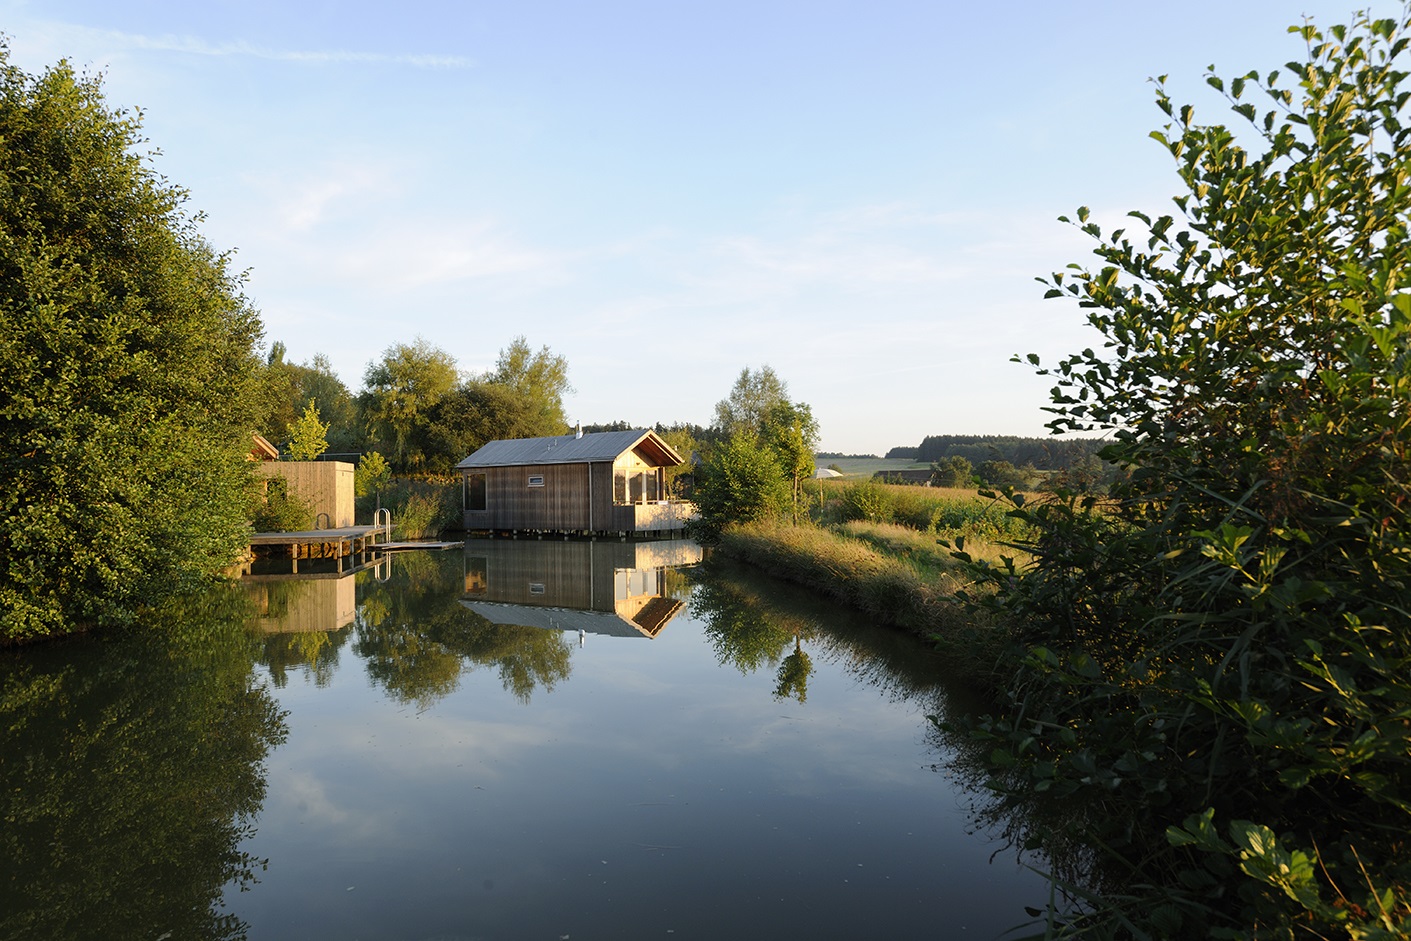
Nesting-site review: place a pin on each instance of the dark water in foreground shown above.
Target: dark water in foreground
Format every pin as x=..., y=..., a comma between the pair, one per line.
x=524, y=740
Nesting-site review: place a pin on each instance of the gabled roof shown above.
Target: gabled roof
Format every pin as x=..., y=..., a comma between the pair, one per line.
x=571, y=449
x=262, y=450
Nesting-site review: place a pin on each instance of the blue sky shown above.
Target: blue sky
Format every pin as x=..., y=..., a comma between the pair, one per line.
x=859, y=195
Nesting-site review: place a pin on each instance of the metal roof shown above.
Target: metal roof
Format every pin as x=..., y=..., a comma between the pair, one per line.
x=568, y=449
x=557, y=619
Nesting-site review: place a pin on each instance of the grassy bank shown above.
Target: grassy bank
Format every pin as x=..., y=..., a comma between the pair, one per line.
x=898, y=575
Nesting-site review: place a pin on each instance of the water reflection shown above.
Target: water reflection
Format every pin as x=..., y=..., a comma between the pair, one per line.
x=304, y=620
x=133, y=770
x=764, y=743
x=752, y=621
x=619, y=589
x=419, y=641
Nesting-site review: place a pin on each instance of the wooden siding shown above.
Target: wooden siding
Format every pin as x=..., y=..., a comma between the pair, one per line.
x=561, y=504
x=299, y=605
x=574, y=498
x=326, y=485
x=626, y=579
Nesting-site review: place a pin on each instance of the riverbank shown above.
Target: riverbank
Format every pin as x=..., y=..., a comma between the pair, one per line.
x=901, y=577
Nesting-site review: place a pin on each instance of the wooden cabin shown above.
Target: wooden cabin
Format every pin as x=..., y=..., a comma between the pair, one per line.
x=610, y=482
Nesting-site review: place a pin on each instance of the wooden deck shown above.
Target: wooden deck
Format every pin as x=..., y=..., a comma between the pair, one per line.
x=341, y=543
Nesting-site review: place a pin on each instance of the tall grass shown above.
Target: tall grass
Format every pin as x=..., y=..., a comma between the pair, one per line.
x=911, y=590
x=945, y=511
x=421, y=507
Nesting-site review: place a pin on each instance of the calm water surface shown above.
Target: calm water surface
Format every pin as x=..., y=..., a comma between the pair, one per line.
x=521, y=740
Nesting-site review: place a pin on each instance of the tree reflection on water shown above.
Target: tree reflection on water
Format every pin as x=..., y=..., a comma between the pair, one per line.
x=752, y=621
x=134, y=768
x=419, y=640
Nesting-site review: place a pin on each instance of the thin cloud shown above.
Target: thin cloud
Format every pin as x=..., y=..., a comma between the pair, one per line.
x=193, y=45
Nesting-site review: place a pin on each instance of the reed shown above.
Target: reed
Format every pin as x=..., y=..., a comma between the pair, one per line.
x=893, y=581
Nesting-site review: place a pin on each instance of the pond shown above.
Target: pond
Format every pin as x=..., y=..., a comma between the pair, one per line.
x=522, y=739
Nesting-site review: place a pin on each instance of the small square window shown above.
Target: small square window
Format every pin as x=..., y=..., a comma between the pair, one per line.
x=536, y=588
x=536, y=480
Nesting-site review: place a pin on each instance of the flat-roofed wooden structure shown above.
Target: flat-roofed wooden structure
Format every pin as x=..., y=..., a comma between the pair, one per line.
x=612, y=482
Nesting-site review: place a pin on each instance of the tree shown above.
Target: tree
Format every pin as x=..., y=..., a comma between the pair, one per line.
x=477, y=412
x=540, y=379
x=128, y=372
x=316, y=381
x=1243, y=595
x=398, y=393
x=307, y=435
x=751, y=399
x=952, y=472
x=792, y=432
x=371, y=475
x=742, y=481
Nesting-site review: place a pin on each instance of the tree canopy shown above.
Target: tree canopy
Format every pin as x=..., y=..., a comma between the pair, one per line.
x=128, y=373
x=399, y=392
x=1242, y=598
x=753, y=396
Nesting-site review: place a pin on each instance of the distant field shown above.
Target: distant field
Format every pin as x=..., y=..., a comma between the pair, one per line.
x=866, y=467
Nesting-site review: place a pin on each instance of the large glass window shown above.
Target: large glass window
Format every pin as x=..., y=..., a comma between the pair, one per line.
x=475, y=491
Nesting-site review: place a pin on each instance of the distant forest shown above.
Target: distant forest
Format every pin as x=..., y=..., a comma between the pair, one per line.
x=1042, y=453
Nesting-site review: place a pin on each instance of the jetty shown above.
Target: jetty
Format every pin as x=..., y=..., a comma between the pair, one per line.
x=345, y=544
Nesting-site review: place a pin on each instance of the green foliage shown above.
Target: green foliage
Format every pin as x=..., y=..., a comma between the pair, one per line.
x=752, y=398
x=791, y=431
x=539, y=379
x=399, y=393
x=866, y=500
x=766, y=442
x=307, y=435
x=742, y=481
x=282, y=511
x=521, y=398
x=1004, y=474
x=1227, y=638
x=371, y=476
x=423, y=506
x=286, y=388
x=478, y=412
x=128, y=375
x=133, y=777
x=952, y=472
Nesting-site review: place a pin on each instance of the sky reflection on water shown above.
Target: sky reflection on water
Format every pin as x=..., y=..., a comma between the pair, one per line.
x=649, y=789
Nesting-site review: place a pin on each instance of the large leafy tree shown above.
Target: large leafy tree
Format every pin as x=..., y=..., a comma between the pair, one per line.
x=767, y=450
x=399, y=392
x=540, y=379
x=128, y=374
x=755, y=394
x=1222, y=651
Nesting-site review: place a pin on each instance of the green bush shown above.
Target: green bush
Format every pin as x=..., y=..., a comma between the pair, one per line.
x=867, y=501
x=742, y=481
x=1220, y=656
x=282, y=511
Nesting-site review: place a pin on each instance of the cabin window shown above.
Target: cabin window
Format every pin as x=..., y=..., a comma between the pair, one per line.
x=638, y=485
x=475, y=491
x=536, y=480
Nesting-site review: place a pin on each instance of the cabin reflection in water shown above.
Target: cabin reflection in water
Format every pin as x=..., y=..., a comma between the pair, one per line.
x=308, y=601
x=615, y=588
